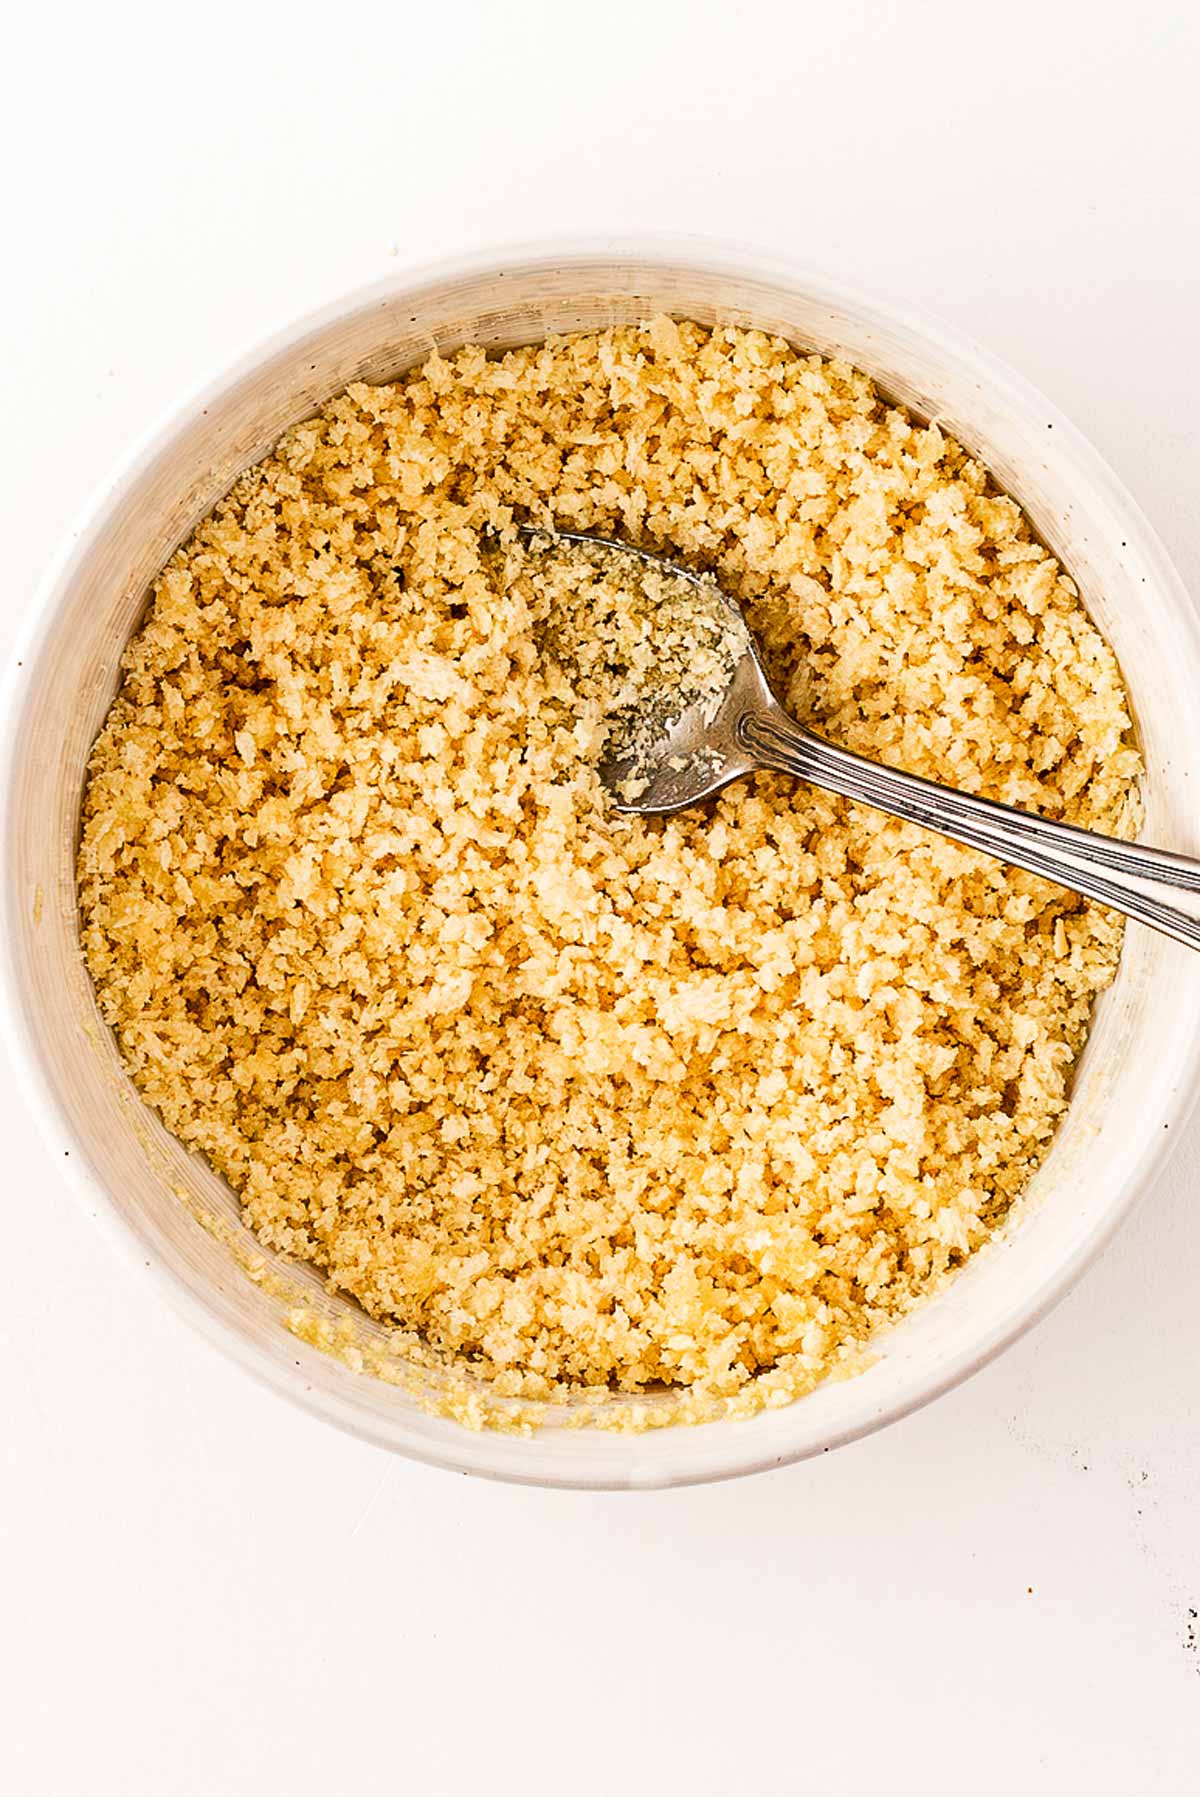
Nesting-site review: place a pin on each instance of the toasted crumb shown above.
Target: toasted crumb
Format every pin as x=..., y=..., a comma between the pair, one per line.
x=582, y=1101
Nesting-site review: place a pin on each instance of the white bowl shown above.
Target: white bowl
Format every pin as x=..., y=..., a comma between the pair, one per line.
x=1136, y=1080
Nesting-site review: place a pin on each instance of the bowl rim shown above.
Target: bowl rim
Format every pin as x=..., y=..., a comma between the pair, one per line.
x=469, y=1451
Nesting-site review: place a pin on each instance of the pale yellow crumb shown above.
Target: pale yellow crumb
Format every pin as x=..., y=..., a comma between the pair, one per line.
x=576, y=1103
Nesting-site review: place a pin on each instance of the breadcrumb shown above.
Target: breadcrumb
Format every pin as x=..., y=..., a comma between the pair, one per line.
x=583, y=1100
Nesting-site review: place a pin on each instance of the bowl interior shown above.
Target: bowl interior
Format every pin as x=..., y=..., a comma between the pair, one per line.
x=1135, y=1079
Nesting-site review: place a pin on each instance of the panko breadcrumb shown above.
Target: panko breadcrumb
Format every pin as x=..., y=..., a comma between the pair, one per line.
x=586, y=1101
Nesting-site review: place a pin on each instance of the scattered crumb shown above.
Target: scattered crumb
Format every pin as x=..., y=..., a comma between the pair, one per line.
x=577, y=1101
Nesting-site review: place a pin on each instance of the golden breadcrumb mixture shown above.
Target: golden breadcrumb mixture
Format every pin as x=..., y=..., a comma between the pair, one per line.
x=579, y=1099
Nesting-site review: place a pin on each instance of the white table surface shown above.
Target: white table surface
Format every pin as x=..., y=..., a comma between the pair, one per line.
x=203, y=1591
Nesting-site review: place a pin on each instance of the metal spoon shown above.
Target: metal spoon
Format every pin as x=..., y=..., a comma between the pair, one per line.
x=706, y=748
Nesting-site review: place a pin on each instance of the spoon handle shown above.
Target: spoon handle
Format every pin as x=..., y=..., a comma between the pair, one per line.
x=1152, y=885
